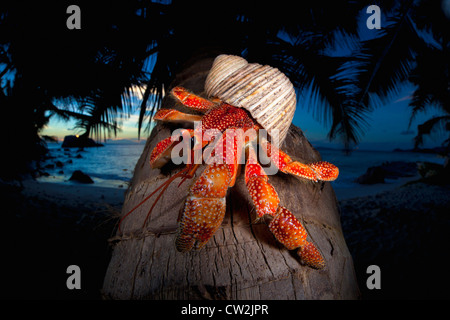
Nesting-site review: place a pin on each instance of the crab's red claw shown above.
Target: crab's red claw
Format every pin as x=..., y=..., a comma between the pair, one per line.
x=204, y=208
x=315, y=171
x=325, y=171
x=291, y=233
x=200, y=220
x=191, y=100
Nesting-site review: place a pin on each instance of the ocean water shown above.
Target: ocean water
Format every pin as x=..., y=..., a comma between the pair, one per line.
x=108, y=166
x=113, y=164
x=354, y=165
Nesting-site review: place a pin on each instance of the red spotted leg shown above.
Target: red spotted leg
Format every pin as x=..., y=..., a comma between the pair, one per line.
x=191, y=100
x=286, y=228
x=161, y=154
x=175, y=116
x=320, y=170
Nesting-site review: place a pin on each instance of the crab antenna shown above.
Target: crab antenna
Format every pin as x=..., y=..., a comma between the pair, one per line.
x=164, y=186
x=190, y=174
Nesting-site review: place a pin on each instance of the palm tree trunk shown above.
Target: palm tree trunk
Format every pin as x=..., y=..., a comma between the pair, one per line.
x=242, y=260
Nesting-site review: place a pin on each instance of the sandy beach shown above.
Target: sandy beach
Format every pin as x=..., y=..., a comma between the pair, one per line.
x=50, y=226
x=404, y=231
x=89, y=196
x=401, y=228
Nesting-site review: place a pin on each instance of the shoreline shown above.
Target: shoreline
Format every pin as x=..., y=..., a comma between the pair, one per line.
x=75, y=194
x=60, y=189
x=365, y=190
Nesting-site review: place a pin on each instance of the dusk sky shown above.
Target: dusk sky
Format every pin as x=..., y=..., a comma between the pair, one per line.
x=387, y=125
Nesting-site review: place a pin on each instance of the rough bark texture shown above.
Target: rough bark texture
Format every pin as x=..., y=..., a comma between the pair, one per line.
x=243, y=260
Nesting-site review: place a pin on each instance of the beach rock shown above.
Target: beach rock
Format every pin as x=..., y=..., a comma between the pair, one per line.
x=373, y=175
x=429, y=169
x=438, y=150
x=399, y=169
x=42, y=174
x=446, y=167
x=81, y=177
x=79, y=142
x=388, y=170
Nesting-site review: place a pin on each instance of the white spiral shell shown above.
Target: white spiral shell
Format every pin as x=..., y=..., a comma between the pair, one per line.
x=263, y=91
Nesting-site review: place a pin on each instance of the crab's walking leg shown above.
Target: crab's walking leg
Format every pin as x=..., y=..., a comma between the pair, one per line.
x=285, y=226
x=191, y=100
x=161, y=154
x=320, y=170
x=175, y=116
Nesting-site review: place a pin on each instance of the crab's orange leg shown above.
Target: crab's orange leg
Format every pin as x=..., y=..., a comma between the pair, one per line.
x=161, y=153
x=175, y=116
x=285, y=226
x=320, y=170
x=191, y=100
x=264, y=195
x=291, y=233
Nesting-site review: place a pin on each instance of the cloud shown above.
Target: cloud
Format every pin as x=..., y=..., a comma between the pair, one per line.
x=405, y=98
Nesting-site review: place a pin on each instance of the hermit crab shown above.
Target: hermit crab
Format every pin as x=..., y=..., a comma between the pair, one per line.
x=247, y=99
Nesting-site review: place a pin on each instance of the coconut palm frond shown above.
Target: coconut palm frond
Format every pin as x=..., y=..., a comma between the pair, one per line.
x=431, y=77
x=385, y=62
x=435, y=124
x=159, y=79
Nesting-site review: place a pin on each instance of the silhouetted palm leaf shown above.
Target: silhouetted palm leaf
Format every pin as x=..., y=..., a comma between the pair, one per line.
x=432, y=80
x=385, y=62
x=411, y=48
x=441, y=123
